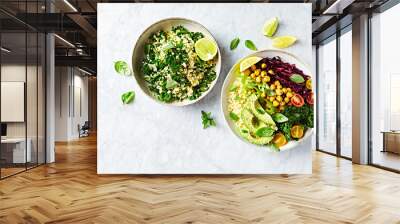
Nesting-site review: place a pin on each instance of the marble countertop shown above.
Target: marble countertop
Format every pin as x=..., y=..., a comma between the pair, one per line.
x=149, y=138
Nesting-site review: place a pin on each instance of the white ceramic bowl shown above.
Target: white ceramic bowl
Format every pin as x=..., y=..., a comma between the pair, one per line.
x=167, y=24
x=286, y=57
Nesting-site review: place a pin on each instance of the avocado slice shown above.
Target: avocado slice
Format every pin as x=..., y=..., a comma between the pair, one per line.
x=255, y=107
x=254, y=140
x=250, y=121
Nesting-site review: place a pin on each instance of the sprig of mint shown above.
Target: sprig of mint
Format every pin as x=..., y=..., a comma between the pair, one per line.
x=128, y=97
x=234, y=43
x=207, y=120
x=250, y=45
x=122, y=68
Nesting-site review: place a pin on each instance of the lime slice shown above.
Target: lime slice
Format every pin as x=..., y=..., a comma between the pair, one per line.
x=284, y=41
x=206, y=49
x=270, y=27
x=248, y=62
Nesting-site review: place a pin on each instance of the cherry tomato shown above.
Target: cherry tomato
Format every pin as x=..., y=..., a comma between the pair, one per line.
x=310, y=98
x=309, y=84
x=279, y=140
x=297, y=100
x=297, y=131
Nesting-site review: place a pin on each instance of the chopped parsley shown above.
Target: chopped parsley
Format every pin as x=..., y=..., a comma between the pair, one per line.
x=171, y=67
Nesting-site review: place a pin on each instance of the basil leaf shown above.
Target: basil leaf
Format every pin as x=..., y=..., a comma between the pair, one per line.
x=280, y=118
x=128, y=97
x=297, y=78
x=233, y=116
x=250, y=45
x=234, y=43
x=265, y=132
x=122, y=68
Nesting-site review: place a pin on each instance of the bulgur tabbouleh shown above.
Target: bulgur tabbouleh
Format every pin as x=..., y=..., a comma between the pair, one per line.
x=172, y=69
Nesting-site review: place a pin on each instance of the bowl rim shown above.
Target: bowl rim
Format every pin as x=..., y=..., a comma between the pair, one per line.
x=217, y=70
x=286, y=147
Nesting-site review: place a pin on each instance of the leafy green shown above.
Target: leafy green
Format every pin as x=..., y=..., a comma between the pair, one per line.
x=128, y=97
x=297, y=115
x=285, y=128
x=207, y=120
x=279, y=118
x=250, y=45
x=122, y=68
x=265, y=132
x=165, y=66
x=297, y=78
x=234, y=43
x=233, y=116
x=300, y=115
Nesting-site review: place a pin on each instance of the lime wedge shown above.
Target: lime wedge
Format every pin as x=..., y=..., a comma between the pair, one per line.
x=248, y=62
x=206, y=49
x=270, y=27
x=284, y=41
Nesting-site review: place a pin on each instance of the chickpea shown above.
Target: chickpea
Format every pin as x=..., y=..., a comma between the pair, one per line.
x=263, y=73
x=253, y=68
x=289, y=94
x=258, y=79
x=279, y=98
x=278, y=92
x=281, y=108
x=275, y=103
x=247, y=72
x=271, y=72
x=257, y=72
x=266, y=79
x=284, y=90
x=263, y=65
x=263, y=95
x=271, y=98
x=277, y=83
x=282, y=103
x=272, y=87
x=289, y=89
x=279, y=87
x=253, y=75
x=287, y=99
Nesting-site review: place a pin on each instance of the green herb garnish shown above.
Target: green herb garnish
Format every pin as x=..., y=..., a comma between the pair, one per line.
x=233, y=116
x=234, y=43
x=207, y=120
x=279, y=118
x=250, y=45
x=265, y=132
x=128, y=97
x=297, y=78
x=122, y=68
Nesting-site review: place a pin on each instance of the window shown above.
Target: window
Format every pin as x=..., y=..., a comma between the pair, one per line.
x=327, y=97
x=385, y=89
x=346, y=93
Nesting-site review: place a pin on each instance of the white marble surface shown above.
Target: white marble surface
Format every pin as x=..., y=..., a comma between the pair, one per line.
x=149, y=138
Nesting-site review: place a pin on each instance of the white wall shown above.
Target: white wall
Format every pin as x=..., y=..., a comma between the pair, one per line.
x=71, y=102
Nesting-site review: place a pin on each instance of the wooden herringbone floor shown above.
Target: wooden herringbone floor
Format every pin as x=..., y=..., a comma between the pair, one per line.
x=70, y=191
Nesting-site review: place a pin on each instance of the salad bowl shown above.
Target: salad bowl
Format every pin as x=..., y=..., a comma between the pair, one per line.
x=139, y=56
x=235, y=74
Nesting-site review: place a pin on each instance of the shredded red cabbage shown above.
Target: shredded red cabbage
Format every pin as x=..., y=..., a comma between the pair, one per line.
x=283, y=71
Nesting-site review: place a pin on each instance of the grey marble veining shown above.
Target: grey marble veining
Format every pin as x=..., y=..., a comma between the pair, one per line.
x=149, y=138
